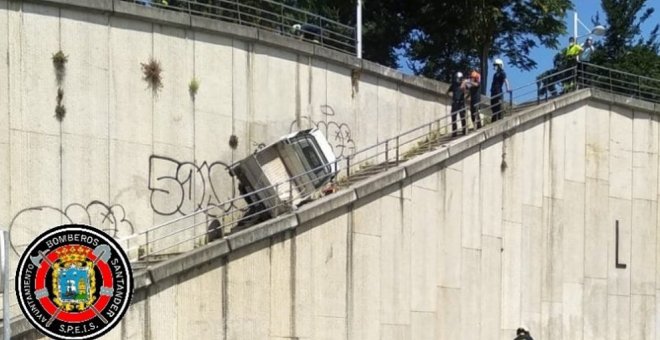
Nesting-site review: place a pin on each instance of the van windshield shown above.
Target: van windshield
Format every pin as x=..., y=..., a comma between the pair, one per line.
x=312, y=157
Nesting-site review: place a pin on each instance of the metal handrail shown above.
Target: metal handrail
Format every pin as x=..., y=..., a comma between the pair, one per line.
x=392, y=150
x=279, y=18
x=400, y=148
x=625, y=83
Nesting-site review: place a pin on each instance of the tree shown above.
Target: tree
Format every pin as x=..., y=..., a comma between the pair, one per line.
x=624, y=47
x=386, y=23
x=624, y=27
x=470, y=32
x=438, y=37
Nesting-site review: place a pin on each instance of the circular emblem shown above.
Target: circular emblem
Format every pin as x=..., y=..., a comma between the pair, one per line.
x=74, y=282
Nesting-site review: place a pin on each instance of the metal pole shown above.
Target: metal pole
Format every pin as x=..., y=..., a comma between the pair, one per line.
x=6, y=317
x=359, y=29
x=575, y=26
x=146, y=246
x=387, y=153
x=397, y=150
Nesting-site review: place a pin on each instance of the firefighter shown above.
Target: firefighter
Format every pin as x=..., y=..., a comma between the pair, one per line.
x=523, y=334
x=499, y=81
x=474, y=88
x=457, y=89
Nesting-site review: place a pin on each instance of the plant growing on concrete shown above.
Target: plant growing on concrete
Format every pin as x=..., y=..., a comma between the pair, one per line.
x=60, y=112
x=152, y=74
x=233, y=142
x=343, y=181
x=429, y=142
x=59, y=62
x=503, y=164
x=193, y=87
x=355, y=81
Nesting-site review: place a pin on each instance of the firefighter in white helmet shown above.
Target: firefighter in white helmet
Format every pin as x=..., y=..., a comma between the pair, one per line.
x=496, y=94
x=457, y=89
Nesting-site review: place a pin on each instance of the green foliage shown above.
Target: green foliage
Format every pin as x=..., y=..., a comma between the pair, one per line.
x=60, y=112
x=59, y=59
x=442, y=36
x=480, y=30
x=193, y=87
x=59, y=62
x=385, y=23
x=233, y=142
x=624, y=27
x=624, y=47
x=152, y=74
x=438, y=37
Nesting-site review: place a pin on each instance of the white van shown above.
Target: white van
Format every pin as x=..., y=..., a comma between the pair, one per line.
x=284, y=174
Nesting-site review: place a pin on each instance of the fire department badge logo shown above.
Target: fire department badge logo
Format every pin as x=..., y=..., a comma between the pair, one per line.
x=74, y=282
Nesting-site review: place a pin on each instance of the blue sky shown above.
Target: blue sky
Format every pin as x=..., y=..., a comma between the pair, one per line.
x=585, y=9
x=543, y=56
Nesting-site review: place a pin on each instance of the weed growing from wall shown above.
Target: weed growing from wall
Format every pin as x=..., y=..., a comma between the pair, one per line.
x=193, y=87
x=60, y=110
x=59, y=63
x=233, y=142
x=355, y=81
x=152, y=74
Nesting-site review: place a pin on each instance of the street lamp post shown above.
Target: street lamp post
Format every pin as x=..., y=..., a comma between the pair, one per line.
x=359, y=29
x=598, y=30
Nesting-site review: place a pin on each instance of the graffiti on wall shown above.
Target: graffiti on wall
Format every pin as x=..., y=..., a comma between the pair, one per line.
x=176, y=188
x=338, y=134
x=184, y=187
x=32, y=221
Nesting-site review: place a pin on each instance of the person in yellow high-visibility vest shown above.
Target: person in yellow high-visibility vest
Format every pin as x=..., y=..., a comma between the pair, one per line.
x=157, y=2
x=571, y=54
x=573, y=51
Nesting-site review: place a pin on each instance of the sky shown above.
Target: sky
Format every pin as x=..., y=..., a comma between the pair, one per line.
x=543, y=56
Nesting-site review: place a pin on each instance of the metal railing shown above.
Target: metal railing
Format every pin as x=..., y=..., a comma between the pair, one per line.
x=11, y=301
x=193, y=230
x=268, y=15
x=189, y=231
x=623, y=83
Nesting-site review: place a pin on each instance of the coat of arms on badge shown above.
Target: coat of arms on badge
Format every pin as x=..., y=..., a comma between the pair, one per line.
x=74, y=283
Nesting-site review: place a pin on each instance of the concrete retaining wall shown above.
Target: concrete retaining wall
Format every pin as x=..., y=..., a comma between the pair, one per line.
x=511, y=227
x=514, y=226
x=124, y=158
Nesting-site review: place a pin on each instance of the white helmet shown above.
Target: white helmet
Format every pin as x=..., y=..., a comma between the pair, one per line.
x=499, y=62
x=459, y=75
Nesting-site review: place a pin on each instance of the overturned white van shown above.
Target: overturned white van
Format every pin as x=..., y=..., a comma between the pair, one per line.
x=284, y=174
